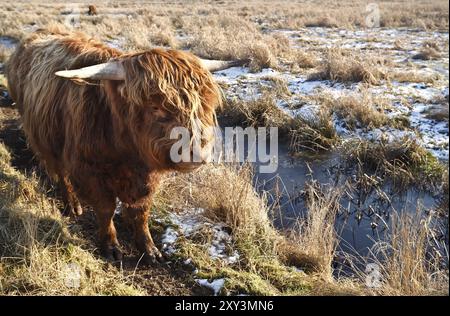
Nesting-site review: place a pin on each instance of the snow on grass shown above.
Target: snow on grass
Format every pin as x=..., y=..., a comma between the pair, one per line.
x=215, y=285
x=434, y=135
x=190, y=221
x=408, y=99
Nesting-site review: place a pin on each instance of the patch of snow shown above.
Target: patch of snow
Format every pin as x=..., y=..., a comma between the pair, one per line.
x=170, y=236
x=116, y=43
x=215, y=285
x=190, y=221
x=434, y=135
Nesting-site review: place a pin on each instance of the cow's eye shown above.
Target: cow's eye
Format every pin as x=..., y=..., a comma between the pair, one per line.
x=163, y=119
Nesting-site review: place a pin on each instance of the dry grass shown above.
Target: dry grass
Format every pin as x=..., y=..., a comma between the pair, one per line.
x=313, y=135
x=227, y=194
x=302, y=134
x=359, y=109
x=303, y=59
x=315, y=235
x=261, y=112
x=430, y=50
x=4, y=54
x=403, y=162
x=37, y=249
x=408, y=260
x=229, y=37
x=438, y=113
x=414, y=76
x=351, y=66
x=224, y=29
x=278, y=86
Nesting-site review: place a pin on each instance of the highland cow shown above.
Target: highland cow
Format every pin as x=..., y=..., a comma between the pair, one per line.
x=99, y=121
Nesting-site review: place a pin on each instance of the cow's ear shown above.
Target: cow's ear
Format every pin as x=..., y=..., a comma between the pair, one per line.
x=107, y=71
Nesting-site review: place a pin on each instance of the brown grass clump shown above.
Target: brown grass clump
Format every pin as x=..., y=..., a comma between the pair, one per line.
x=326, y=21
x=39, y=256
x=229, y=37
x=438, y=110
x=348, y=66
x=267, y=257
x=227, y=194
x=256, y=113
x=414, y=76
x=302, y=134
x=4, y=54
x=430, y=50
x=403, y=162
x=408, y=262
x=313, y=135
x=300, y=59
x=315, y=235
x=278, y=86
x=360, y=110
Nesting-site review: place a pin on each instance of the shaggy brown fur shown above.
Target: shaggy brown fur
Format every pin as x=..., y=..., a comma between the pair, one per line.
x=108, y=139
x=92, y=10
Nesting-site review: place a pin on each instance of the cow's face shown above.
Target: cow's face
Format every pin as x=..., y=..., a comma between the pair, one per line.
x=167, y=133
x=170, y=101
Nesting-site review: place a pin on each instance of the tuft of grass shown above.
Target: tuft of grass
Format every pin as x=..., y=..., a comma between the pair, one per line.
x=301, y=59
x=438, y=112
x=230, y=37
x=39, y=256
x=407, y=260
x=430, y=50
x=403, y=162
x=257, y=113
x=414, y=76
x=315, y=234
x=313, y=134
x=348, y=66
x=310, y=134
x=278, y=86
x=324, y=21
x=359, y=109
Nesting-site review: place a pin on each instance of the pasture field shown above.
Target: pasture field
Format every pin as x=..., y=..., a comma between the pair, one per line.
x=359, y=92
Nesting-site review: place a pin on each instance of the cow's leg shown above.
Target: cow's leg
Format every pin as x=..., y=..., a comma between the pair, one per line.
x=109, y=245
x=71, y=204
x=94, y=192
x=137, y=217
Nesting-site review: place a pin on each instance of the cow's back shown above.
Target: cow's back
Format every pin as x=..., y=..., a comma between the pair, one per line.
x=46, y=102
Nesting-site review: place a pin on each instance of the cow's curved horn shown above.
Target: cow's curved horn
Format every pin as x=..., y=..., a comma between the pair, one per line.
x=108, y=71
x=216, y=65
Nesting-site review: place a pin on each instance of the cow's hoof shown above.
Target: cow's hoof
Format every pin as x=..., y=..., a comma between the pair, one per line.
x=78, y=210
x=152, y=257
x=73, y=211
x=112, y=253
